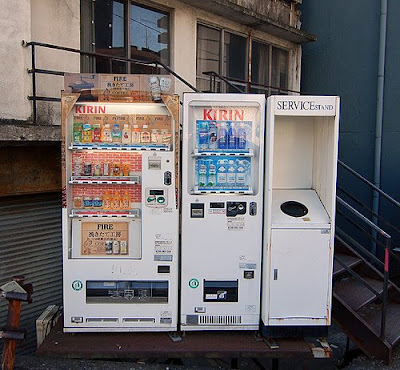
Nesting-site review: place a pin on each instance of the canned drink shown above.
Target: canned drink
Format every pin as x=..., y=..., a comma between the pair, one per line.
x=97, y=169
x=97, y=202
x=155, y=88
x=116, y=169
x=106, y=169
x=87, y=169
x=87, y=202
x=109, y=246
x=77, y=170
x=115, y=247
x=78, y=202
x=123, y=247
x=125, y=169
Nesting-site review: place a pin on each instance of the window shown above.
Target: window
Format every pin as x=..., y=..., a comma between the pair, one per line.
x=208, y=55
x=266, y=70
x=121, y=28
x=235, y=59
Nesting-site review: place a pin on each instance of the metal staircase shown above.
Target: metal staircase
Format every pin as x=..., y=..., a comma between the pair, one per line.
x=366, y=296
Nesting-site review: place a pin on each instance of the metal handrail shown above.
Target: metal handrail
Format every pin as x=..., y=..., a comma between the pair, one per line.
x=230, y=81
x=383, y=222
x=33, y=44
x=369, y=183
x=386, y=259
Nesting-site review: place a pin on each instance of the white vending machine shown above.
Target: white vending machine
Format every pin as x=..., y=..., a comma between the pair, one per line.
x=299, y=222
x=222, y=203
x=120, y=217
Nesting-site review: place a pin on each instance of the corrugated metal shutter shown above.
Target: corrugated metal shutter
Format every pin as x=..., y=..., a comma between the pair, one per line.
x=31, y=245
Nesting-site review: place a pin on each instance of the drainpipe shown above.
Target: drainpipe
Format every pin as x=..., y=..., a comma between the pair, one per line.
x=379, y=111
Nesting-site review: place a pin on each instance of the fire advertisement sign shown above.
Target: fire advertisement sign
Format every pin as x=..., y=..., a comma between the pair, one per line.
x=104, y=238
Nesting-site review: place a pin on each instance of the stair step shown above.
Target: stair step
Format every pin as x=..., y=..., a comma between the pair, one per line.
x=373, y=318
x=350, y=261
x=354, y=293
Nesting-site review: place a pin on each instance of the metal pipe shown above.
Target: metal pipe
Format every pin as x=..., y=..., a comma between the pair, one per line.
x=385, y=289
x=380, y=191
x=34, y=111
x=363, y=218
x=379, y=109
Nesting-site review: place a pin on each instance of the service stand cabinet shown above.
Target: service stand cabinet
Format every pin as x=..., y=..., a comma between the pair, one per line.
x=299, y=214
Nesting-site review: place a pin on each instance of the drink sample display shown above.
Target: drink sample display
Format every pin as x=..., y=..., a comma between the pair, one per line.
x=217, y=136
x=130, y=130
x=228, y=174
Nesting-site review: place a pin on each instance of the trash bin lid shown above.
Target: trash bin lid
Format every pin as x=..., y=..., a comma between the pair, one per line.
x=294, y=209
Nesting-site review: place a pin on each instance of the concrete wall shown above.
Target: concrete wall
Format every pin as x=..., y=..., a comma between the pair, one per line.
x=48, y=21
x=55, y=22
x=58, y=22
x=344, y=61
x=15, y=20
x=184, y=24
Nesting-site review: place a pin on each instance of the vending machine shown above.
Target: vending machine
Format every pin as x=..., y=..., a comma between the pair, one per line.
x=299, y=220
x=222, y=203
x=120, y=215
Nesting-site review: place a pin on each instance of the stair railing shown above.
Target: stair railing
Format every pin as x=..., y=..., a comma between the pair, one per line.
x=233, y=83
x=384, y=295
x=34, y=70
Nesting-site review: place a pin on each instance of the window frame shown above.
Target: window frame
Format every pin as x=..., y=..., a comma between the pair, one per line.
x=90, y=65
x=250, y=38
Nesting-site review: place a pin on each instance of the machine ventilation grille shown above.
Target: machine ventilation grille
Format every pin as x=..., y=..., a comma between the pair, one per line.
x=102, y=319
x=139, y=319
x=220, y=320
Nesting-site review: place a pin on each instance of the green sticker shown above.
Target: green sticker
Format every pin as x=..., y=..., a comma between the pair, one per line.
x=193, y=283
x=77, y=285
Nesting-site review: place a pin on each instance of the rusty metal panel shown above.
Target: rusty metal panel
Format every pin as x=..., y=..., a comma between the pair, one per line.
x=207, y=344
x=27, y=169
x=30, y=229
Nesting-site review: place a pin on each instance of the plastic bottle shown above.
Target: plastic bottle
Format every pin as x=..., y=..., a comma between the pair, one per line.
x=125, y=200
x=231, y=175
x=126, y=134
x=135, y=134
x=240, y=174
x=232, y=138
x=203, y=135
x=241, y=136
x=212, y=139
x=165, y=137
x=155, y=134
x=116, y=201
x=212, y=174
x=107, y=200
x=96, y=133
x=222, y=136
x=77, y=132
x=87, y=133
x=116, y=134
x=202, y=173
x=106, y=134
x=145, y=135
x=221, y=173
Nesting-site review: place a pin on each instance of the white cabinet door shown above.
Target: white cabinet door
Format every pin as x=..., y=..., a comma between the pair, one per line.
x=300, y=279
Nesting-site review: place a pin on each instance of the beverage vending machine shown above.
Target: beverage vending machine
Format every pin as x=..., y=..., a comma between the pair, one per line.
x=120, y=216
x=222, y=192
